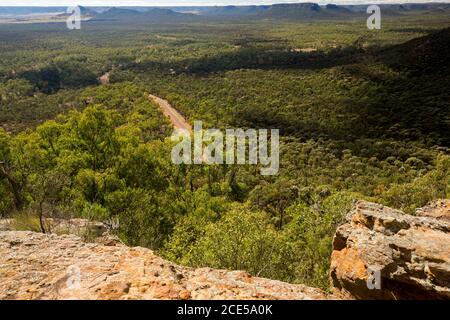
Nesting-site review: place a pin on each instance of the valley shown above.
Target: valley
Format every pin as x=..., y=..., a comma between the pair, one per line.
x=86, y=118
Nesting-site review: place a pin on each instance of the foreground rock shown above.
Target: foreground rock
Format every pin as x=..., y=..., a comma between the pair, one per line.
x=38, y=266
x=381, y=253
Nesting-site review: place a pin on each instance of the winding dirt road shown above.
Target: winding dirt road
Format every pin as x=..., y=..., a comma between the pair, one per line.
x=177, y=120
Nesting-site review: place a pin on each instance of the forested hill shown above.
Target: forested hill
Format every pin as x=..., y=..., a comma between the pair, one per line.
x=421, y=56
x=423, y=86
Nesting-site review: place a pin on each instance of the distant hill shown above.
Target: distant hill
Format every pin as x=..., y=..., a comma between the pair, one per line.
x=309, y=10
x=117, y=13
x=30, y=10
x=86, y=12
x=289, y=11
x=305, y=11
x=402, y=8
x=232, y=11
x=152, y=14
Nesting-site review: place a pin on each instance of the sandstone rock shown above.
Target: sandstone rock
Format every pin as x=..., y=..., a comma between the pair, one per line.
x=79, y=227
x=409, y=254
x=439, y=209
x=39, y=266
x=89, y=231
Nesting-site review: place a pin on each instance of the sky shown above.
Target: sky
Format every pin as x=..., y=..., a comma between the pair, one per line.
x=186, y=2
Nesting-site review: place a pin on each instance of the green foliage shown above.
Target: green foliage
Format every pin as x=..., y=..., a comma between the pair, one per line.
x=245, y=239
x=25, y=222
x=240, y=240
x=311, y=233
x=434, y=185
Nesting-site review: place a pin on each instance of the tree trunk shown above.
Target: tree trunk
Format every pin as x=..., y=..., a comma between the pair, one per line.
x=41, y=218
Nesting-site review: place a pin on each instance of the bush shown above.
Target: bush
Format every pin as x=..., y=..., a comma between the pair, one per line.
x=240, y=240
x=25, y=221
x=311, y=233
x=434, y=185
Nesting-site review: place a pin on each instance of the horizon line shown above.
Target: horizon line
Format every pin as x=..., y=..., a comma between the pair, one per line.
x=354, y=3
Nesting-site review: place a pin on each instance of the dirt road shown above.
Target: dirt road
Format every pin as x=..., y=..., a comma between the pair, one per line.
x=177, y=120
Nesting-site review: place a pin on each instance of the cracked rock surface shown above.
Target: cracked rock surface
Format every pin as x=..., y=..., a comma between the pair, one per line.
x=39, y=266
x=401, y=256
x=379, y=253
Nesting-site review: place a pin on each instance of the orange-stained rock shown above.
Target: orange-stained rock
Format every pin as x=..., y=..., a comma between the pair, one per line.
x=185, y=295
x=381, y=253
x=350, y=265
x=411, y=255
x=38, y=266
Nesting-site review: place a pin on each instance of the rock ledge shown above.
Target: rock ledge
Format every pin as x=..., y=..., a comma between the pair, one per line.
x=401, y=256
x=38, y=266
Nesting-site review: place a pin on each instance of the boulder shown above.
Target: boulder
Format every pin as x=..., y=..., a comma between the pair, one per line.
x=382, y=253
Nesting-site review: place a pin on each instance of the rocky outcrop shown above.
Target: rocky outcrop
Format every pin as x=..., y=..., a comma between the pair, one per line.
x=39, y=266
x=89, y=231
x=381, y=253
x=79, y=227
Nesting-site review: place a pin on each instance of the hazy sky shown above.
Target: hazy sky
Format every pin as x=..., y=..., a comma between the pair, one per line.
x=184, y=2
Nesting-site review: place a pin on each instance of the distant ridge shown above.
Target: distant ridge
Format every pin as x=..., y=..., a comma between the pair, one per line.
x=152, y=14
x=290, y=11
x=304, y=11
x=86, y=12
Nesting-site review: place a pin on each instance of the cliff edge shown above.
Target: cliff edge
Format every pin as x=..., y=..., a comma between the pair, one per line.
x=39, y=266
x=379, y=253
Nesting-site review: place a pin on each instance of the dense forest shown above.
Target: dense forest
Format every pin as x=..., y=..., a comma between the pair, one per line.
x=363, y=114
